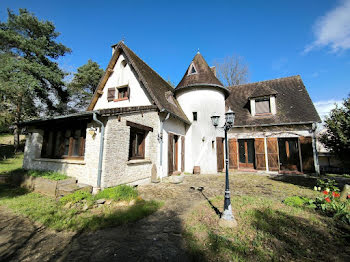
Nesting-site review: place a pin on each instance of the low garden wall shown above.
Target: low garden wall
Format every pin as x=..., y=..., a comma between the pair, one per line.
x=38, y=184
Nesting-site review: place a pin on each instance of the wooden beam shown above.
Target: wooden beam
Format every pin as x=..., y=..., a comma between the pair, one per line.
x=139, y=126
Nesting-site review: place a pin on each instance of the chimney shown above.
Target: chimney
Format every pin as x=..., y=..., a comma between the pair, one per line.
x=213, y=69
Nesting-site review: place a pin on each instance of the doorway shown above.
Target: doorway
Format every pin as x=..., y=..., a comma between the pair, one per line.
x=220, y=153
x=173, y=153
x=289, y=154
x=246, y=153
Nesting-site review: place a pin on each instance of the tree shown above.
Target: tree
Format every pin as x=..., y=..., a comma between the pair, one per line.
x=337, y=135
x=30, y=79
x=232, y=70
x=84, y=84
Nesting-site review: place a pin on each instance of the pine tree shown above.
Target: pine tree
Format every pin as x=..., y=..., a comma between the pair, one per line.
x=30, y=78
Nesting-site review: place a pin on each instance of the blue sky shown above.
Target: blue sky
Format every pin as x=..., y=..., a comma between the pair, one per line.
x=276, y=38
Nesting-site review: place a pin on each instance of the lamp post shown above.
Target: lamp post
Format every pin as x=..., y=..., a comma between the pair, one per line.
x=227, y=216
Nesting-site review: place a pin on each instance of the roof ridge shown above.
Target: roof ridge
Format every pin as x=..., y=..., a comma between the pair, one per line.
x=171, y=88
x=264, y=81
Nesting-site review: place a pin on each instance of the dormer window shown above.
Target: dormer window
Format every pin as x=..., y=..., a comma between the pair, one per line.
x=262, y=106
x=192, y=70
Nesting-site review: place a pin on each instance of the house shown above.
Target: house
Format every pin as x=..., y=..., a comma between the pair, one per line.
x=138, y=128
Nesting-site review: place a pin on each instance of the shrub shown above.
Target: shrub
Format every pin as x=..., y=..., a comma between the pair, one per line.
x=76, y=197
x=296, y=201
x=118, y=193
x=47, y=174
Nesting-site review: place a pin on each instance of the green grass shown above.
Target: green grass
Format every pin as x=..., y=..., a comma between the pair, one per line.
x=268, y=230
x=51, y=213
x=118, y=193
x=76, y=197
x=10, y=164
x=47, y=174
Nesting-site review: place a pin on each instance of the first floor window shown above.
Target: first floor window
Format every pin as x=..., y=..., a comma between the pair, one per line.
x=262, y=106
x=123, y=92
x=137, y=143
x=64, y=142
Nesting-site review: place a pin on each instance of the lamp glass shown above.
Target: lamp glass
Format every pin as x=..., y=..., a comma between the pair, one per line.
x=215, y=120
x=230, y=117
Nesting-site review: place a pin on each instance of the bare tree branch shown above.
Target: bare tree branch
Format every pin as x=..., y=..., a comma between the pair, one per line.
x=232, y=70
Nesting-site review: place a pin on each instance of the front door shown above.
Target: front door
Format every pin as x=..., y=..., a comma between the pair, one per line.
x=220, y=153
x=289, y=154
x=246, y=153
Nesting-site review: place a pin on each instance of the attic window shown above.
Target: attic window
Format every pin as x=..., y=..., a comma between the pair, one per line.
x=123, y=63
x=194, y=116
x=262, y=106
x=192, y=70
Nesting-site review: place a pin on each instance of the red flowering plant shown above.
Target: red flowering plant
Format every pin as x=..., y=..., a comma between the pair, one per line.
x=329, y=202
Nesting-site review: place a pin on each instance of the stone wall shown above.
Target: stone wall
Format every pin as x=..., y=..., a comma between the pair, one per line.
x=85, y=171
x=117, y=168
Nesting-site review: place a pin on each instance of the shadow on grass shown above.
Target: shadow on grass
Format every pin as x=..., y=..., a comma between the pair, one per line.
x=216, y=210
x=10, y=191
x=280, y=237
x=6, y=151
x=298, y=180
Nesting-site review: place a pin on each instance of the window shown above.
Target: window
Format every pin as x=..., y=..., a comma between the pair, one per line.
x=262, y=106
x=64, y=142
x=123, y=92
x=194, y=116
x=138, y=134
x=137, y=143
x=192, y=70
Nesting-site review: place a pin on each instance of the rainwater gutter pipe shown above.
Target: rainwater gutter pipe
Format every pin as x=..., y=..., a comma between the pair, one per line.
x=161, y=142
x=100, y=157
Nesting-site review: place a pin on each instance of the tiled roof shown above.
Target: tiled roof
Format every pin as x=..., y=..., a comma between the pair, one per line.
x=262, y=89
x=293, y=103
x=155, y=85
x=203, y=76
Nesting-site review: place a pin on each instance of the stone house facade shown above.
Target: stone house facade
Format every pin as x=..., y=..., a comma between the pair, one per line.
x=138, y=128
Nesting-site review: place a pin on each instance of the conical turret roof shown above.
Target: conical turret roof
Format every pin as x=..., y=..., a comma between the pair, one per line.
x=199, y=74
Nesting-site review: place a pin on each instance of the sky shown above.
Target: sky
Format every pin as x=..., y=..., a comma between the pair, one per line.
x=275, y=38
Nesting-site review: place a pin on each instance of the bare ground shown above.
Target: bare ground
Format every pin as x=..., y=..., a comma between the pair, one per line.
x=154, y=238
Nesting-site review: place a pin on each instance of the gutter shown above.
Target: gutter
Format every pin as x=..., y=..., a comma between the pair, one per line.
x=277, y=124
x=100, y=157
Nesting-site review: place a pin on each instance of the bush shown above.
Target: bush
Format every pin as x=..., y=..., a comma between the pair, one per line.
x=48, y=174
x=296, y=201
x=76, y=197
x=118, y=193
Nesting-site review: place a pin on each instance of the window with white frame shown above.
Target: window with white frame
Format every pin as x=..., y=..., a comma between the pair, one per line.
x=262, y=106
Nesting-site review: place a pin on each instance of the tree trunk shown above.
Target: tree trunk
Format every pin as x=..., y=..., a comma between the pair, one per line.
x=17, y=131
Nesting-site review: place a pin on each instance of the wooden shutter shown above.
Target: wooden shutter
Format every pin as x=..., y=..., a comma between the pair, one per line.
x=307, y=154
x=272, y=152
x=182, y=154
x=170, y=153
x=111, y=94
x=232, y=149
x=260, y=154
x=220, y=153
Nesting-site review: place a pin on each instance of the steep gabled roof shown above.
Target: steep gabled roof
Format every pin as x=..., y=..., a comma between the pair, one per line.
x=293, y=103
x=158, y=89
x=203, y=75
x=261, y=90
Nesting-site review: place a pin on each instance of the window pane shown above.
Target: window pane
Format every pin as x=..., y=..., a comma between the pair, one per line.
x=262, y=107
x=76, y=147
x=250, y=148
x=241, y=151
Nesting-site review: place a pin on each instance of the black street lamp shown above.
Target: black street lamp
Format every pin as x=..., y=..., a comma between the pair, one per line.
x=227, y=215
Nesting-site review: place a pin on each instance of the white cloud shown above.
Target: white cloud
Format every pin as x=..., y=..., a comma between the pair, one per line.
x=324, y=107
x=333, y=29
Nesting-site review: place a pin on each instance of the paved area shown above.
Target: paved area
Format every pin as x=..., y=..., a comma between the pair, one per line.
x=154, y=238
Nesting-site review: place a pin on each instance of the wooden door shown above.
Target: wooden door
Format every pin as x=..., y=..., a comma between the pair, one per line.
x=232, y=149
x=288, y=154
x=260, y=153
x=176, y=153
x=182, y=154
x=307, y=155
x=220, y=153
x=170, y=154
x=272, y=153
x=246, y=153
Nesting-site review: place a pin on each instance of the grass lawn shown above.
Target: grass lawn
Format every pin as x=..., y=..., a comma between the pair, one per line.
x=10, y=164
x=56, y=215
x=268, y=230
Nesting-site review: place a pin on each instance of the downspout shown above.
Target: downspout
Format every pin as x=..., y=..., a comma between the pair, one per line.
x=100, y=157
x=160, y=138
x=314, y=147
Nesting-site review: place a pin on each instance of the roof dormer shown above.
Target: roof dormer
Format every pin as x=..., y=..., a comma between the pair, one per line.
x=263, y=101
